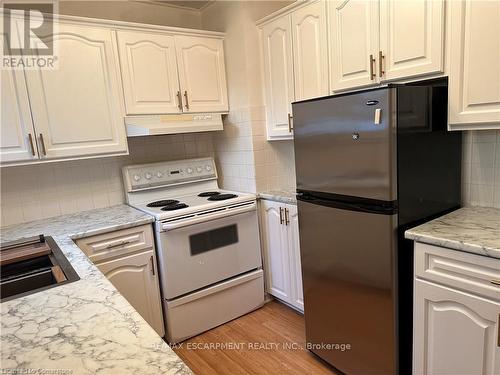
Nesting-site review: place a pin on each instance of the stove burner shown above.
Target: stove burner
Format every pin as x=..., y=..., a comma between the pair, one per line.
x=208, y=194
x=162, y=203
x=221, y=197
x=174, y=206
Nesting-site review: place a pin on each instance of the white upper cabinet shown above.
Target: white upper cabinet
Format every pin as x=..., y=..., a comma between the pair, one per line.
x=149, y=73
x=474, y=64
x=411, y=38
x=17, y=136
x=354, y=43
x=78, y=108
x=310, y=51
x=278, y=77
x=202, y=74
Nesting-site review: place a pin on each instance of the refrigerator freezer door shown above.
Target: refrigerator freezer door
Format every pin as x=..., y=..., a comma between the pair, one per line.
x=346, y=144
x=348, y=280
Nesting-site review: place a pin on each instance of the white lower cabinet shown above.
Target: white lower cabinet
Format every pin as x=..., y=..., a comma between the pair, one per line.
x=280, y=239
x=135, y=277
x=456, y=327
x=127, y=258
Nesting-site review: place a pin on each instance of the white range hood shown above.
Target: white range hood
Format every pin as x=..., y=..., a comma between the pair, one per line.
x=172, y=124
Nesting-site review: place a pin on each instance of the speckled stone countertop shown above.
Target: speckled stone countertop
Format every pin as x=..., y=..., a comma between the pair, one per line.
x=471, y=229
x=283, y=196
x=84, y=327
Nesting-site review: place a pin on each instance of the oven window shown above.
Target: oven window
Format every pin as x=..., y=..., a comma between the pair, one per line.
x=213, y=239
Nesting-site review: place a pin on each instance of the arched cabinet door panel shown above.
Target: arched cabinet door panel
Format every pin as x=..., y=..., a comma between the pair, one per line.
x=78, y=107
x=17, y=135
x=454, y=332
x=354, y=43
x=136, y=278
x=202, y=74
x=310, y=46
x=149, y=73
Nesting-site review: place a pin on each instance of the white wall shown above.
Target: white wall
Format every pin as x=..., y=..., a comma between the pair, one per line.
x=246, y=161
x=132, y=11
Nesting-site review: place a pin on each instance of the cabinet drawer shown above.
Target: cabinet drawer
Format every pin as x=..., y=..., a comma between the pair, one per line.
x=470, y=272
x=118, y=243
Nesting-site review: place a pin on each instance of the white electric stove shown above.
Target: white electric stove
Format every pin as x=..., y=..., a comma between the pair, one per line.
x=207, y=241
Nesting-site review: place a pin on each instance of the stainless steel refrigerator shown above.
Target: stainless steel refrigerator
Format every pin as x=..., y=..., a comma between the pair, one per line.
x=369, y=165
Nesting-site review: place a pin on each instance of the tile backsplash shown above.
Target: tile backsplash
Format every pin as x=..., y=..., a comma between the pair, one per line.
x=44, y=190
x=481, y=168
x=246, y=161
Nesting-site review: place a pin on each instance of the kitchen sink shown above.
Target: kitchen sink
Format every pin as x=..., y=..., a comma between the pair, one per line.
x=31, y=265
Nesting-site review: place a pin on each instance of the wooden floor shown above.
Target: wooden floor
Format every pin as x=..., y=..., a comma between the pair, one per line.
x=267, y=341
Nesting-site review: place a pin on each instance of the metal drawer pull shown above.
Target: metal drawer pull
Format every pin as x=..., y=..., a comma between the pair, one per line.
x=179, y=98
x=495, y=282
x=381, y=58
x=187, y=101
x=121, y=243
x=42, y=143
x=281, y=216
x=287, y=217
x=30, y=137
x=372, y=62
x=152, y=265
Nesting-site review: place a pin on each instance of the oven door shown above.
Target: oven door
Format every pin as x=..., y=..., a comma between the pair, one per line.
x=195, y=252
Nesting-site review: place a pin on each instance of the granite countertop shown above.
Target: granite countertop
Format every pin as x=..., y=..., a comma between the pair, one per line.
x=84, y=327
x=470, y=229
x=283, y=196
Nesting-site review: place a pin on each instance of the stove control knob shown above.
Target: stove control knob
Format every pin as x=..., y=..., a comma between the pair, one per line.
x=208, y=168
x=159, y=174
x=190, y=170
x=148, y=176
x=199, y=169
x=137, y=177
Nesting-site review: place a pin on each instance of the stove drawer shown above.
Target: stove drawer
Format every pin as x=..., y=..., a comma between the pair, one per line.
x=117, y=243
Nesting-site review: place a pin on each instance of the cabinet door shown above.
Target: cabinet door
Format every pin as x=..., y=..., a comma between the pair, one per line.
x=294, y=251
x=136, y=278
x=310, y=46
x=202, y=73
x=17, y=141
x=354, y=37
x=149, y=73
x=454, y=332
x=78, y=107
x=278, y=77
x=411, y=38
x=276, y=256
x=474, y=61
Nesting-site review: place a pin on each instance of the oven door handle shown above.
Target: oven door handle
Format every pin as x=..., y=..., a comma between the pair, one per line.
x=208, y=217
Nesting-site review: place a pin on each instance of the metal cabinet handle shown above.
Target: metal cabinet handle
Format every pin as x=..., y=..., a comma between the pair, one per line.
x=290, y=127
x=179, y=98
x=287, y=216
x=32, y=146
x=372, y=62
x=152, y=265
x=381, y=58
x=495, y=282
x=42, y=143
x=117, y=244
x=281, y=216
x=187, y=101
